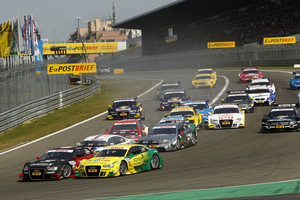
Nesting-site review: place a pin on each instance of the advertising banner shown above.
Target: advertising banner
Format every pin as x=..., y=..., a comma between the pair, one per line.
x=280, y=40
x=74, y=68
x=77, y=48
x=230, y=44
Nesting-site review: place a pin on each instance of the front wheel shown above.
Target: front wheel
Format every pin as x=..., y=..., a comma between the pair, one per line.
x=194, y=139
x=123, y=168
x=154, y=162
x=178, y=144
x=66, y=171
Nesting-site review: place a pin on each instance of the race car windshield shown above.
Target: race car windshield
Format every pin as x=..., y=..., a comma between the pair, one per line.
x=204, y=72
x=182, y=113
x=112, y=153
x=297, y=77
x=289, y=113
x=123, y=103
x=93, y=143
x=124, y=127
x=261, y=83
x=158, y=131
x=56, y=156
x=103, y=67
x=169, y=87
x=250, y=72
x=237, y=98
x=172, y=95
x=258, y=91
x=226, y=110
x=202, y=77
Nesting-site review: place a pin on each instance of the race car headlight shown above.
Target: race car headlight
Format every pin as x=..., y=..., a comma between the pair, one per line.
x=166, y=141
x=109, y=166
x=51, y=168
x=26, y=168
x=214, y=120
x=133, y=111
x=292, y=123
x=239, y=119
x=165, y=103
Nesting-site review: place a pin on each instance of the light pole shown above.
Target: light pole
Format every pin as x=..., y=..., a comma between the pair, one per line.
x=54, y=36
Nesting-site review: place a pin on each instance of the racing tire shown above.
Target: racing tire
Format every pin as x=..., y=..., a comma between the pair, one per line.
x=194, y=139
x=123, y=168
x=154, y=162
x=178, y=144
x=66, y=171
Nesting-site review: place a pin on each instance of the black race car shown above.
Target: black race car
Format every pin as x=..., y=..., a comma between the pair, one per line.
x=241, y=98
x=172, y=99
x=125, y=108
x=168, y=86
x=282, y=117
x=58, y=163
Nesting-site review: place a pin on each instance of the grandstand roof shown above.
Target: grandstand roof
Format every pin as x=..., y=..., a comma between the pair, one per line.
x=183, y=11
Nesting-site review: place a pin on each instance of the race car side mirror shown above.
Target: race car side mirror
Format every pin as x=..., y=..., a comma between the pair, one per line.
x=166, y=115
x=138, y=104
x=109, y=106
x=75, y=157
x=38, y=158
x=143, y=128
x=107, y=129
x=222, y=100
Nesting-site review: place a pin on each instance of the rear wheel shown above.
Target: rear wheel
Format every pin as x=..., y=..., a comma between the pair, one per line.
x=194, y=139
x=123, y=168
x=154, y=162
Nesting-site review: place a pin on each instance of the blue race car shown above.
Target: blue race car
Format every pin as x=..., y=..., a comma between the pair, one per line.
x=202, y=107
x=295, y=81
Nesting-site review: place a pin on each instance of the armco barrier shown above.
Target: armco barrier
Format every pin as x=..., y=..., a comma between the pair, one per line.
x=40, y=107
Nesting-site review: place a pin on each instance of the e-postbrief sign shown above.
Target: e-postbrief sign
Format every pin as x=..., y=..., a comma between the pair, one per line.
x=74, y=68
x=230, y=44
x=280, y=40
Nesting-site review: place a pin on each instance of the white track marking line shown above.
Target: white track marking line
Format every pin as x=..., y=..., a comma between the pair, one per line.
x=57, y=132
x=222, y=91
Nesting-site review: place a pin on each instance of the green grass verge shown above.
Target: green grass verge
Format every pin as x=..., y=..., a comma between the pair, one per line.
x=72, y=114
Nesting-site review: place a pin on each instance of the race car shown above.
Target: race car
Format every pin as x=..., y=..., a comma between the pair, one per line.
x=103, y=69
x=212, y=73
x=282, y=117
x=168, y=86
x=178, y=118
x=125, y=108
x=261, y=95
x=189, y=112
x=170, y=137
x=226, y=116
x=120, y=160
x=99, y=142
x=248, y=74
x=57, y=163
x=130, y=128
x=241, y=98
x=203, y=80
x=263, y=81
x=201, y=107
x=295, y=81
x=172, y=99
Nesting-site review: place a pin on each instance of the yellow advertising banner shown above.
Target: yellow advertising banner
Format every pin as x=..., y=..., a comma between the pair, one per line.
x=229, y=44
x=74, y=68
x=77, y=48
x=280, y=40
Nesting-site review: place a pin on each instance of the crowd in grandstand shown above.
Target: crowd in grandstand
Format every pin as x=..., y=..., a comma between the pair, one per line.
x=248, y=25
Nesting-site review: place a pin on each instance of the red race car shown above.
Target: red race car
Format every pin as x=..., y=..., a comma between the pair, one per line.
x=58, y=163
x=129, y=128
x=249, y=73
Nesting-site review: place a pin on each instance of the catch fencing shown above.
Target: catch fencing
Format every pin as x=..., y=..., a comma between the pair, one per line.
x=42, y=106
x=26, y=83
x=248, y=56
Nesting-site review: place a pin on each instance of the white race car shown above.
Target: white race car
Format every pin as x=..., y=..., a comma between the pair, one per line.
x=261, y=95
x=98, y=142
x=263, y=81
x=226, y=116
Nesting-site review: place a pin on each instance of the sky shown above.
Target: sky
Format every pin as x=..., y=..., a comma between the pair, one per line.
x=57, y=19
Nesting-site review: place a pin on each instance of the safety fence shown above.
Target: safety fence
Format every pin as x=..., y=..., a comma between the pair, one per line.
x=249, y=56
x=26, y=83
x=42, y=106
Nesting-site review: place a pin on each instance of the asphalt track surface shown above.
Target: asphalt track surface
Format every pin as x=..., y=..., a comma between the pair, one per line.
x=222, y=158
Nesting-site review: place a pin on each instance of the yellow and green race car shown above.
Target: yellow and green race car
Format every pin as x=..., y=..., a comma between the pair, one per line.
x=190, y=113
x=120, y=160
x=203, y=80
